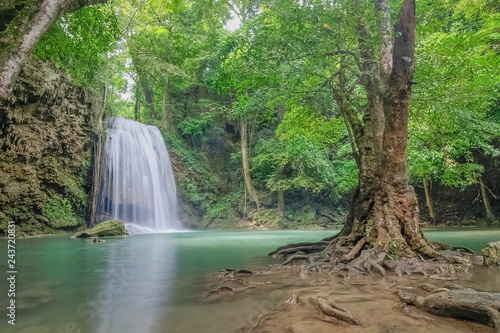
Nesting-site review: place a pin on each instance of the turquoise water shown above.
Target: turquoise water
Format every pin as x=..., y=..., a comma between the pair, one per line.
x=146, y=283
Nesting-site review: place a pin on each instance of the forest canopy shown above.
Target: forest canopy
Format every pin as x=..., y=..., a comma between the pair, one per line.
x=257, y=91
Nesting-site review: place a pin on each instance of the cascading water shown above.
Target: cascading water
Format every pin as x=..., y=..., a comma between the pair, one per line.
x=137, y=184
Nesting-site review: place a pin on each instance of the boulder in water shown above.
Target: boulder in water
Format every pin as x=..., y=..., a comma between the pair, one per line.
x=491, y=254
x=104, y=229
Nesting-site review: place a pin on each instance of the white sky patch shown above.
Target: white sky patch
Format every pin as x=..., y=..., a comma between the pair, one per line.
x=234, y=23
x=128, y=94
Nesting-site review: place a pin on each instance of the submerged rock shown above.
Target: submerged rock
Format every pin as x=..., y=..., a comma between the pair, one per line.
x=104, y=229
x=491, y=254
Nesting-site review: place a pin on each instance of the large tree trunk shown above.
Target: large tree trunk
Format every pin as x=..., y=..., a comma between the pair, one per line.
x=384, y=207
x=246, y=164
x=22, y=25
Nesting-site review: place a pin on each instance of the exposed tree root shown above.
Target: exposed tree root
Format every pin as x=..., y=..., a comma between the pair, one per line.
x=442, y=247
x=305, y=247
x=463, y=303
x=349, y=259
x=231, y=283
x=261, y=319
x=294, y=258
x=332, y=309
x=407, y=311
x=231, y=272
x=294, y=299
x=354, y=251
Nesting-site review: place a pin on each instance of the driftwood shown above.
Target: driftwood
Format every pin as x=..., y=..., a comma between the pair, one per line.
x=332, y=309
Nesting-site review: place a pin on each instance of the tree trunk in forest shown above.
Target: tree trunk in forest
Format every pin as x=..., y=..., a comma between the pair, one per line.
x=281, y=196
x=166, y=109
x=96, y=177
x=23, y=25
x=490, y=216
x=384, y=207
x=148, y=95
x=280, y=113
x=137, y=106
x=246, y=164
x=281, y=203
x=428, y=200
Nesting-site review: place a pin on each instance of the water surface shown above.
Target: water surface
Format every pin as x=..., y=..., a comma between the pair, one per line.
x=151, y=283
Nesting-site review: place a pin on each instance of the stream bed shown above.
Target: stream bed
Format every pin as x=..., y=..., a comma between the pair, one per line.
x=152, y=282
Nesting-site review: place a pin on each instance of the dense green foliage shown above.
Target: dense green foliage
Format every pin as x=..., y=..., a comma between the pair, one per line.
x=79, y=42
x=283, y=72
x=59, y=212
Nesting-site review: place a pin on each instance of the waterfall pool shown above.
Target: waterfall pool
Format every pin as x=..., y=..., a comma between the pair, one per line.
x=151, y=282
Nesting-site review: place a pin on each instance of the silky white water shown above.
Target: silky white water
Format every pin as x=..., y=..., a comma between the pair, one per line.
x=137, y=183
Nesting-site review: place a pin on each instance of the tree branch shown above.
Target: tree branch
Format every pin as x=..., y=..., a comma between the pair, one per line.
x=23, y=33
x=403, y=61
x=382, y=12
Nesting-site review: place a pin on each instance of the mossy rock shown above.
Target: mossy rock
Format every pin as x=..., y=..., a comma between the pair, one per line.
x=105, y=229
x=491, y=254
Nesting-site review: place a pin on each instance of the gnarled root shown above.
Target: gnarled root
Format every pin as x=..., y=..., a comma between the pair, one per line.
x=305, y=247
x=295, y=257
x=354, y=251
x=231, y=272
x=332, y=309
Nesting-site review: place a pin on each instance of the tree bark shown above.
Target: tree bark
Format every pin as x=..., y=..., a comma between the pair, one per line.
x=166, y=108
x=137, y=106
x=23, y=25
x=490, y=216
x=246, y=164
x=148, y=95
x=428, y=200
x=384, y=207
x=281, y=196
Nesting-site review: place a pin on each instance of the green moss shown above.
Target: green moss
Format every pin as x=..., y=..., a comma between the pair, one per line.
x=105, y=229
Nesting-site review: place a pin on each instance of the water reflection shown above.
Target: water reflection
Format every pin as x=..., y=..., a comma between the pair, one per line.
x=136, y=286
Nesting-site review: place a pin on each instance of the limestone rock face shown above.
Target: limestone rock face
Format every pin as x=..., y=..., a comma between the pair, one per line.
x=105, y=229
x=47, y=129
x=491, y=254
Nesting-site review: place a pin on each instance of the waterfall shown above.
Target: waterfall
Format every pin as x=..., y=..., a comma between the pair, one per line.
x=137, y=183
